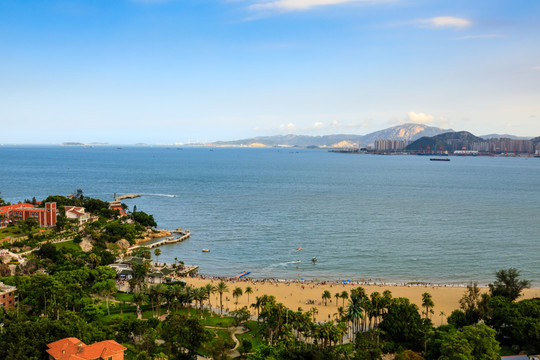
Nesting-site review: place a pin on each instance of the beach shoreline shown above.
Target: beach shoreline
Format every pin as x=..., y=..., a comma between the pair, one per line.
x=307, y=294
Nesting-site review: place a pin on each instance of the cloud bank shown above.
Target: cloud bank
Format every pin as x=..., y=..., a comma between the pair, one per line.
x=298, y=5
x=445, y=22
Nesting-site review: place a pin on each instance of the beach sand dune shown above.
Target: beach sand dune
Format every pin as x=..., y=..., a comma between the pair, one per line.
x=294, y=295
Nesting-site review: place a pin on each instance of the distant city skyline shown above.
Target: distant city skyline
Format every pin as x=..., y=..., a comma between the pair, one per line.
x=171, y=71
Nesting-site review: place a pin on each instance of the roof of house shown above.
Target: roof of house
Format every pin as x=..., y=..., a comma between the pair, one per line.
x=74, y=349
x=7, y=208
x=4, y=289
x=76, y=210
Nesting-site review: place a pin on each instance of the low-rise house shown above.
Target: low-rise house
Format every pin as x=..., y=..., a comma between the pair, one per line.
x=79, y=213
x=116, y=205
x=7, y=296
x=74, y=349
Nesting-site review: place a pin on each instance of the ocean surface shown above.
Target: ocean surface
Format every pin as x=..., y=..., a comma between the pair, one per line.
x=378, y=218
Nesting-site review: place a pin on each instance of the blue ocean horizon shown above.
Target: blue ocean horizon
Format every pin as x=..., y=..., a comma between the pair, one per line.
x=365, y=217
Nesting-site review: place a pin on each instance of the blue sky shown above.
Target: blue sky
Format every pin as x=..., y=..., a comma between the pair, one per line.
x=166, y=71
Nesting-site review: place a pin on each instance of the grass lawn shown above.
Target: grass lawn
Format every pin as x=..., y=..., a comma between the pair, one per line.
x=67, y=244
x=10, y=231
x=216, y=320
x=252, y=335
x=128, y=298
x=506, y=350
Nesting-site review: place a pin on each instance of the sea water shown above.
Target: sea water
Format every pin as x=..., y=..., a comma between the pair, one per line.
x=365, y=217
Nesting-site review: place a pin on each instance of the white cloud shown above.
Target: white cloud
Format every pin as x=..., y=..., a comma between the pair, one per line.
x=420, y=118
x=287, y=127
x=298, y=5
x=446, y=21
x=318, y=125
x=423, y=119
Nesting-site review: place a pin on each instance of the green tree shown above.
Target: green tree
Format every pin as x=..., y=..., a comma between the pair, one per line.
x=344, y=296
x=28, y=224
x=481, y=338
x=245, y=347
x=183, y=336
x=427, y=303
x=237, y=292
x=403, y=325
x=326, y=296
x=248, y=291
x=105, y=288
x=157, y=252
x=221, y=288
x=144, y=219
x=508, y=284
x=240, y=316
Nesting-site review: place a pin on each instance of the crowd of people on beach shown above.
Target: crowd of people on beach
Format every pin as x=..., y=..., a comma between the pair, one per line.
x=313, y=283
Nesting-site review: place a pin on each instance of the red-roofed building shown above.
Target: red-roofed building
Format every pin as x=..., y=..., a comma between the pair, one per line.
x=115, y=205
x=79, y=213
x=45, y=217
x=74, y=349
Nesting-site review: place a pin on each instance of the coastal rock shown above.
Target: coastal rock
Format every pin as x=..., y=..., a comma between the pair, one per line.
x=123, y=244
x=158, y=233
x=152, y=234
x=86, y=244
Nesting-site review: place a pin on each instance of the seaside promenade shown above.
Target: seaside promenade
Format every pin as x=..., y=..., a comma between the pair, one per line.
x=308, y=295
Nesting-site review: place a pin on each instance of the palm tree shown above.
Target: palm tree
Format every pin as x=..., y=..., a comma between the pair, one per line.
x=237, y=292
x=210, y=289
x=257, y=305
x=221, y=288
x=94, y=259
x=344, y=295
x=325, y=296
x=355, y=312
x=314, y=311
x=157, y=252
x=337, y=296
x=441, y=315
x=159, y=290
x=427, y=302
x=249, y=290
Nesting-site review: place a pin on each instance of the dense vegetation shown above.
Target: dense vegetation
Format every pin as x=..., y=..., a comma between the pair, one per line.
x=64, y=292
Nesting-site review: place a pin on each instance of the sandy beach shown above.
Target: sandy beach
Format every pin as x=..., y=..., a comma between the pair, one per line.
x=295, y=295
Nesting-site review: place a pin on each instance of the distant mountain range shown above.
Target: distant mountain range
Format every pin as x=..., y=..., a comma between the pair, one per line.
x=407, y=132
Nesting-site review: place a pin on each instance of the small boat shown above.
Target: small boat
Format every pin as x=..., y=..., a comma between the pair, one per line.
x=298, y=261
x=205, y=250
x=298, y=248
x=439, y=159
x=314, y=260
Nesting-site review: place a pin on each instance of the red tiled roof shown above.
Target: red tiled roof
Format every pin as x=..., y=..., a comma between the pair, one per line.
x=8, y=208
x=74, y=349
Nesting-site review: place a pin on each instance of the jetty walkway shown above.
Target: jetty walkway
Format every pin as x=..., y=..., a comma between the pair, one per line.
x=169, y=240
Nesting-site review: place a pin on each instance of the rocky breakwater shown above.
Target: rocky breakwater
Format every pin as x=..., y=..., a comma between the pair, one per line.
x=151, y=234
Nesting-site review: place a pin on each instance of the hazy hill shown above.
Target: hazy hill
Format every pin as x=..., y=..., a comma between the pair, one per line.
x=448, y=141
x=400, y=132
x=408, y=132
x=499, y=136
